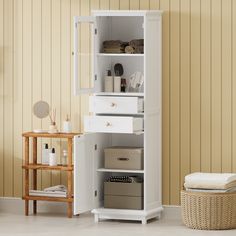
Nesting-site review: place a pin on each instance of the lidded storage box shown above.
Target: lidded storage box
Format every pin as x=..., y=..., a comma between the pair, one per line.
x=130, y=158
x=123, y=195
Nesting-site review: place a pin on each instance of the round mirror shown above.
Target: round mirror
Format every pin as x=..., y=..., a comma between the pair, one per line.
x=41, y=109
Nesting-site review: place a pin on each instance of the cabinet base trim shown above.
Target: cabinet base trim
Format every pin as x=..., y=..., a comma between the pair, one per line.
x=117, y=214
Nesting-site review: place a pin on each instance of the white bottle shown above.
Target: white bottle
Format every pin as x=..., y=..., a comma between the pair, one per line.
x=108, y=82
x=117, y=84
x=52, y=158
x=45, y=154
x=67, y=128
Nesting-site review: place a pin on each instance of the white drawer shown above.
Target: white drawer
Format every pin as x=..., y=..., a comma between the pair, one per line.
x=115, y=105
x=113, y=124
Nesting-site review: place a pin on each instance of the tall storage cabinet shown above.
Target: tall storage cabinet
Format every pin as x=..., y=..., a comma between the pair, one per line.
x=115, y=118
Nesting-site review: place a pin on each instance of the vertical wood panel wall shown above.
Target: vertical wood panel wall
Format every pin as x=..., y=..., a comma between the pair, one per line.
x=199, y=82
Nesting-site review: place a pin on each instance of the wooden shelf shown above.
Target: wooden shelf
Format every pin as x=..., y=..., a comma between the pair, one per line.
x=50, y=199
x=47, y=167
x=48, y=135
x=34, y=166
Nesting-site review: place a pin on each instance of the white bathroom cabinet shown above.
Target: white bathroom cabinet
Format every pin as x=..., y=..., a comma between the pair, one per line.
x=120, y=119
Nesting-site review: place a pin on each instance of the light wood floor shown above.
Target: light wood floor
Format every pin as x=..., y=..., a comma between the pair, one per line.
x=58, y=225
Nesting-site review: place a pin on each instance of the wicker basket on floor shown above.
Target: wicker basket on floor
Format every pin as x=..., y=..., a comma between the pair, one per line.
x=208, y=210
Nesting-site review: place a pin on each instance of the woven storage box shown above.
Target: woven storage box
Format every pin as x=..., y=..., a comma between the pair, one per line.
x=130, y=158
x=208, y=210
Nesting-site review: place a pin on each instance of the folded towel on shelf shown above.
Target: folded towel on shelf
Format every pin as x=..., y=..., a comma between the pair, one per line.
x=125, y=179
x=113, y=50
x=47, y=193
x=57, y=188
x=112, y=43
x=229, y=190
x=210, y=180
x=114, y=46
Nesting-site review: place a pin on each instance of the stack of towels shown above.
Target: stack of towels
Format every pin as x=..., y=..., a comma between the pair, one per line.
x=210, y=182
x=114, y=46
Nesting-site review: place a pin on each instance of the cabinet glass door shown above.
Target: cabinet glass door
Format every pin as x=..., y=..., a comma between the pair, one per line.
x=84, y=32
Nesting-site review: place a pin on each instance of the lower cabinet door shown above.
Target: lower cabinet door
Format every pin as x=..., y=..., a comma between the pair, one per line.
x=88, y=183
x=83, y=173
x=113, y=124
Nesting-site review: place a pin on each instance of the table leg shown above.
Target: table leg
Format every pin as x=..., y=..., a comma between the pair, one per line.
x=69, y=210
x=26, y=207
x=26, y=175
x=69, y=177
x=35, y=172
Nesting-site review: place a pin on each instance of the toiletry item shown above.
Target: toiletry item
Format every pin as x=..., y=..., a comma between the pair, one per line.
x=64, y=158
x=123, y=85
x=108, y=82
x=117, y=84
x=67, y=128
x=45, y=154
x=119, y=70
x=53, y=127
x=52, y=158
x=136, y=82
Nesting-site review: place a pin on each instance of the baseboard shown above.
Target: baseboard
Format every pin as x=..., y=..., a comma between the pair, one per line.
x=16, y=206
x=171, y=212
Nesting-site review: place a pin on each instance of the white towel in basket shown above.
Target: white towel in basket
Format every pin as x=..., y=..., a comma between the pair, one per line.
x=210, y=180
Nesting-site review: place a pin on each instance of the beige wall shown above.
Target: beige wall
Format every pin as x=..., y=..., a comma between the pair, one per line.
x=199, y=82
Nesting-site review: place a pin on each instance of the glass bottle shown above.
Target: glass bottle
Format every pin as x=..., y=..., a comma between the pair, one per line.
x=64, y=157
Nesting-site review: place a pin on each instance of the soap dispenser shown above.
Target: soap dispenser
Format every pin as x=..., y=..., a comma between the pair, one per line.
x=108, y=82
x=52, y=158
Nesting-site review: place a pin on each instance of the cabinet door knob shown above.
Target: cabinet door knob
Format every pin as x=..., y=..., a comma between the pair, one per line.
x=113, y=104
x=108, y=124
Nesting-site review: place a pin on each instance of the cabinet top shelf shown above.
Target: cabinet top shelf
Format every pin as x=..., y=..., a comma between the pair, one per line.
x=48, y=135
x=126, y=12
x=119, y=94
x=120, y=55
x=119, y=170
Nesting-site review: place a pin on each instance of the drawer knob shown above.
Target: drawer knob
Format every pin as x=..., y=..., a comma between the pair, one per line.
x=113, y=104
x=123, y=159
x=108, y=124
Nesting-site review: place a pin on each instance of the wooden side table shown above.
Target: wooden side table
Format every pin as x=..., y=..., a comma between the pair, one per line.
x=37, y=166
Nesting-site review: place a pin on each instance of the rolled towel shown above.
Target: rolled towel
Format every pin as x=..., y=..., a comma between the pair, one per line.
x=136, y=42
x=210, y=180
x=129, y=49
x=138, y=49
